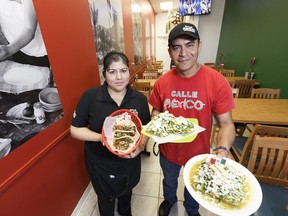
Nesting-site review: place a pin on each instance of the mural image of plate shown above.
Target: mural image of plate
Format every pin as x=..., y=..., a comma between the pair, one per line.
x=5, y=147
x=52, y=109
x=17, y=112
x=49, y=97
x=23, y=76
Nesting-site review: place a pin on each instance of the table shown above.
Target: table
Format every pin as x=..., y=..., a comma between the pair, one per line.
x=261, y=111
x=233, y=78
x=152, y=81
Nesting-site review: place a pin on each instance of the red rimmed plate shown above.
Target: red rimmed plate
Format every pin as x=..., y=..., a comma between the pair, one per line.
x=135, y=119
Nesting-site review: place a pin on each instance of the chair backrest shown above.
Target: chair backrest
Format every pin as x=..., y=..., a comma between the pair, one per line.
x=227, y=72
x=142, y=86
x=245, y=87
x=269, y=160
x=150, y=75
x=265, y=93
x=261, y=130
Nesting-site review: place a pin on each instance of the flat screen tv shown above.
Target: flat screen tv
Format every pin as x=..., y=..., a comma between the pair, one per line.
x=194, y=7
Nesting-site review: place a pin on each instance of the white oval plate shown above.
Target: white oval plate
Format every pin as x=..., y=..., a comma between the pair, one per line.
x=17, y=111
x=255, y=198
x=23, y=76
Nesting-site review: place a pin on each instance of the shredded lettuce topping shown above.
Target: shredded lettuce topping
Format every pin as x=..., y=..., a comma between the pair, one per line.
x=166, y=123
x=221, y=182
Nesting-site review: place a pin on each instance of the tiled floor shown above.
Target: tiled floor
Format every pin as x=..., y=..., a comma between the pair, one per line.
x=148, y=194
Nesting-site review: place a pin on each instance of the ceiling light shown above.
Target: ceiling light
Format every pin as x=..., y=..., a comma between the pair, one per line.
x=165, y=6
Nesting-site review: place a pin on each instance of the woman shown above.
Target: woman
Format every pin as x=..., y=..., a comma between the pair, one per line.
x=112, y=177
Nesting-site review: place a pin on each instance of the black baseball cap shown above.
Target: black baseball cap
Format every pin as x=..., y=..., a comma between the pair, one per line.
x=183, y=29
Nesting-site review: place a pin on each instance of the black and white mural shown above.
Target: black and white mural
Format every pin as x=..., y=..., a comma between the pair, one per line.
x=107, y=25
x=29, y=99
x=137, y=33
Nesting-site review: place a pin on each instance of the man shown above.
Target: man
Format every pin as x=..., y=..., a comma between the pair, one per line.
x=192, y=91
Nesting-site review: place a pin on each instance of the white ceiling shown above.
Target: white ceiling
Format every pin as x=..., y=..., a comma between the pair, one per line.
x=156, y=4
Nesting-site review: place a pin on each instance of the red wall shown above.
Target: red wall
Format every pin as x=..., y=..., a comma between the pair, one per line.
x=46, y=175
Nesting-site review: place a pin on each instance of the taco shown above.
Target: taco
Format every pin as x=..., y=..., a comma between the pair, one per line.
x=124, y=134
x=124, y=130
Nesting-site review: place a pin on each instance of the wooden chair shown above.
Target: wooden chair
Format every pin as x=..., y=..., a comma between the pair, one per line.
x=150, y=75
x=142, y=86
x=269, y=164
x=265, y=93
x=227, y=72
x=242, y=146
x=268, y=160
x=245, y=87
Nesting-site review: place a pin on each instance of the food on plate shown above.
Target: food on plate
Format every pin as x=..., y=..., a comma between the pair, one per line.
x=220, y=183
x=166, y=123
x=28, y=111
x=124, y=132
x=123, y=143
